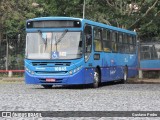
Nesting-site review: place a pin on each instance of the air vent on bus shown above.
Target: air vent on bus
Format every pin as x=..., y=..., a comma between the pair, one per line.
x=51, y=64
x=50, y=72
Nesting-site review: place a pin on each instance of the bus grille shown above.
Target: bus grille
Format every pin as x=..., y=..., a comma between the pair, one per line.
x=50, y=72
x=51, y=64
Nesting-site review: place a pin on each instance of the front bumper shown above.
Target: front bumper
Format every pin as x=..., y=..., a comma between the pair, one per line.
x=77, y=78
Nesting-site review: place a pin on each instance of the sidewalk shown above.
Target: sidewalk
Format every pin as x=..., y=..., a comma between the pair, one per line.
x=143, y=81
x=130, y=80
x=12, y=79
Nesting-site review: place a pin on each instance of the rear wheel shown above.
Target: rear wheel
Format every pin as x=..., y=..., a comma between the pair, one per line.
x=96, y=81
x=47, y=86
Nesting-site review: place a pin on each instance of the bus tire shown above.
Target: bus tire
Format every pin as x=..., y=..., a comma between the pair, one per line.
x=96, y=79
x=125, y=75
x=47, y=86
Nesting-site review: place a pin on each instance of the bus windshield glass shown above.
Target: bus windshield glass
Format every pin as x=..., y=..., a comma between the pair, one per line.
x=54, y=45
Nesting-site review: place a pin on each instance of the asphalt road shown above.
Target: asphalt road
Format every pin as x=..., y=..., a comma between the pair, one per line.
x=113, y=97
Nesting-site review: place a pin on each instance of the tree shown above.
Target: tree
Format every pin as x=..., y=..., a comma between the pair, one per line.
x=140, y=15
x=14, y=15
x=61, y=7
x=12, y=23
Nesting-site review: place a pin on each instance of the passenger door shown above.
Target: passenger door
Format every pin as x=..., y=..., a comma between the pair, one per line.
x=89, y=72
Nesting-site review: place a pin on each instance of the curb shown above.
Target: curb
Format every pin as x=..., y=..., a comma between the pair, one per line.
x=144, y=81
x=12, y=79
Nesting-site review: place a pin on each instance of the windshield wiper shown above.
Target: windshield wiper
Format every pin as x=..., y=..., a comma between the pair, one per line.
x=43, y=39
x=63, y=34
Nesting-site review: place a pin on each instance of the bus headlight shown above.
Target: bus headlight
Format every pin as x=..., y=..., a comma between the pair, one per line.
x=75, y=70
x=28, y=70
x=32, y=72
x=70, y=72
x=78, y=68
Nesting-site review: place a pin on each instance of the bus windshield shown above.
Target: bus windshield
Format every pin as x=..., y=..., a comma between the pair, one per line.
x=54, y=45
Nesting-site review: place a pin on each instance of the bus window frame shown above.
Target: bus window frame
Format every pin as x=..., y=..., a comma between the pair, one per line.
x=95, y=29
x=86, y=53
x=125, y=43
x=131, y=44
x=114, y=41
x=106, y=40
x=120, y=44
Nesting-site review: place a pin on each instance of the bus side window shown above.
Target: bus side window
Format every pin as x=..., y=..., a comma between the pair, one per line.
x=88, y=39
x=131, y=44
x=154, y=54
x=114, y=41
x=106, y=40
x=88, y=43
x=125, y=43
x=120, y=46
x=97, y=39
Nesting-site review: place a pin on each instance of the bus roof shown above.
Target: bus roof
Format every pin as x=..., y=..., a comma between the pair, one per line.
x=98, y=24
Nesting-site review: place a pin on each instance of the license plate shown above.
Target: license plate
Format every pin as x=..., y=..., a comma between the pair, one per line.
x=50, y=80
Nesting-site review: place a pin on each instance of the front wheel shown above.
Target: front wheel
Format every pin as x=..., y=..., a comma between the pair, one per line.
x=96, y=79
x=47, y=86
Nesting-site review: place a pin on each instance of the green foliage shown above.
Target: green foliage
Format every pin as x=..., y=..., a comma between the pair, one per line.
x=16, y=62
x=142, y=15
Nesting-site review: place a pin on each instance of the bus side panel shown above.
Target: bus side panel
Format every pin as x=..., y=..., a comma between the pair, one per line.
x=77, y=78
x=113, y=66
x=129, y=60
x=132, y=72
x=114, y=63
x=105, y=74
x=120, y=72
x=105, y=70
x=89, y=75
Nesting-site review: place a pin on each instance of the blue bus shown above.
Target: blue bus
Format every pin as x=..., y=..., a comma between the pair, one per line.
x=150, y=56
x=75, y=51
